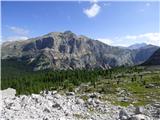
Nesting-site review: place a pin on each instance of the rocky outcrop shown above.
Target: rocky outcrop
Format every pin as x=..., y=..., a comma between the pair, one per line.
x=67, y=50
x=50, y=105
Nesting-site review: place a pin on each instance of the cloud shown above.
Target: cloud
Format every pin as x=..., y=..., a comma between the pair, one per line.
x=93, y=10
x=106, y=41
x=93, y=1
x=130, y=37
x=15, y=38
x=150, y=38
x=125, y=41
x=147, y=4
x=18, y=30
x=18, y=33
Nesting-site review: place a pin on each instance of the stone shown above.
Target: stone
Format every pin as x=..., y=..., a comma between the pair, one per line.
x=54, y=92
x=149, y=86
x=70, y=93
x=9, y=93
x=46, y=110
x=79, y=101
x=139, y=110
x=123, y=114
x=70, y=108
x=45, y=118
x=89, y=101
x=56, y=105
x=140, y=117
x=97, y=101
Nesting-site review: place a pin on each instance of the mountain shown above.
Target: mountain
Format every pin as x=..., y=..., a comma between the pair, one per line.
x=137, y=46
x=154, y=59
x=142, y=54
x=66, y=50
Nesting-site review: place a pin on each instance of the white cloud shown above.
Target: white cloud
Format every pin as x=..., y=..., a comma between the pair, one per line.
x=148, y=4
x=15, y=38
x=125, y=41
x=130, y=37
x=18, y=30
x=106, y=41
x=150, y=38
x=18, y=33
x=93, y=10
x=93, y=1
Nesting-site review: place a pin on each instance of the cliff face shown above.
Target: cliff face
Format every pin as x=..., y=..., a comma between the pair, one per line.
x=154, y=59
x=68, y=51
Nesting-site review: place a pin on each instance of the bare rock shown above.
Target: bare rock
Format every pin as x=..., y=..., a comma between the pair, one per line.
x=139, y=110
x=123, y=115
x=140, y=117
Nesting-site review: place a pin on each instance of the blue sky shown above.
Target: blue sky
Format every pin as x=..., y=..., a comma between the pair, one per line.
x=114, y=23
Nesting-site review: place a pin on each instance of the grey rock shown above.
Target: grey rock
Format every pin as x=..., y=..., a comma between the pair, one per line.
x=46, y=110
x=70, y=108
x=56, y=105
x=123, y=115
x=79, y=101
x=70, y=93
x=8, y=93
x=140, y=117
x=139, y=110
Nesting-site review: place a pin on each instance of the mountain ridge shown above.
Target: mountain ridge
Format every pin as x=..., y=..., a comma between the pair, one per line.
x=66, y=50
x=137, y=46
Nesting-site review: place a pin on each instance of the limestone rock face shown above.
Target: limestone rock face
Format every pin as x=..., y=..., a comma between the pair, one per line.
x=154, y=59
x=67, y=50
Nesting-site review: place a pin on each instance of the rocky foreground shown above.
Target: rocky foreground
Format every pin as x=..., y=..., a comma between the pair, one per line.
x=50, y=105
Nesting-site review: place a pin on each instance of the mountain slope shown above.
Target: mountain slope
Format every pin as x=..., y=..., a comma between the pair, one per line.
x=154, y=59
x=137, y=46
x=66, y=50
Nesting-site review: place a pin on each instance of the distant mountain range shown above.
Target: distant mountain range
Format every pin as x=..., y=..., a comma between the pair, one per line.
x=67, y=50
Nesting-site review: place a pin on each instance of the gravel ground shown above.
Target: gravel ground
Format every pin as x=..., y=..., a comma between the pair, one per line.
x=51, y=105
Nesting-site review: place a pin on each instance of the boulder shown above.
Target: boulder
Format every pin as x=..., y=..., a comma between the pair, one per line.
x=139, y=110
x=9, y=93
x=123, y=115
x=79, y=101
x=90, y=101
x=56, y=105
x=54, y=92
x=140, y=117
x=70, y=93
x=46, y=110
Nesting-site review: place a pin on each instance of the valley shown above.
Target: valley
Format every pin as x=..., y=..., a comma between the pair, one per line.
x=80, y=60
x=138, y=85
x=58, y=67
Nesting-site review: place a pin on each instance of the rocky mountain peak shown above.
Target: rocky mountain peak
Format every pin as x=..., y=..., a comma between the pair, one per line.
x=137, y=46
x=65, y=50
x=68, y=32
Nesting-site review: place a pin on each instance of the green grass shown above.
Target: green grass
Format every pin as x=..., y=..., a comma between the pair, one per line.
x=134, y=80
